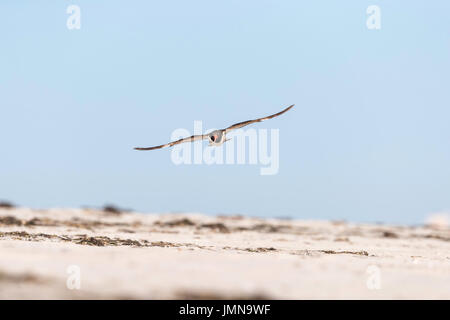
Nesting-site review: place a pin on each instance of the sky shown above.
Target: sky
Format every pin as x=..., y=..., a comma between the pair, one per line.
x=368, y=139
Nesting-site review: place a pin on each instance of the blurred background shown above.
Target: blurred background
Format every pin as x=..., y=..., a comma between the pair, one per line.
x=368, y=140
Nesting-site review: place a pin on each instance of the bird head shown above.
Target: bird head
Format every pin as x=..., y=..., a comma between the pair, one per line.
x=214, y=136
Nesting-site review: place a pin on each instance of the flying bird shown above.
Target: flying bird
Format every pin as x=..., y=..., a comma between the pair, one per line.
x=216, y=137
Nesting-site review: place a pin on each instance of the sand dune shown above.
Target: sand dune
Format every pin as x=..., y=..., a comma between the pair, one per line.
x=118, y=255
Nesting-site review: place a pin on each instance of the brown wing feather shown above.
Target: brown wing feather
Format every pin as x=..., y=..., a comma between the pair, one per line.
x=246, y=123
x=188, y=139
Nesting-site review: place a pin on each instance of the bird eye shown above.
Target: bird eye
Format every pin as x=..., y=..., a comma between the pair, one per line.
x=213, y=138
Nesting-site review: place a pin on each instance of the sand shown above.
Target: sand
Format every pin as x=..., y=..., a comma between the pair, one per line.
x=96, y=254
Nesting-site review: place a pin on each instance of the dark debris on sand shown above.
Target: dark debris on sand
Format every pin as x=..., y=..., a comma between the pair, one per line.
x=101, y=241
x=74, y=223
x=6, y=205
x=268, y=228
x=223, y=228
x=10, y=221
x=175, y=223
x=112, y=209
x=260, y=249
x=19, y=278
x=361, y=253
x=218, y=227
x=389, y=234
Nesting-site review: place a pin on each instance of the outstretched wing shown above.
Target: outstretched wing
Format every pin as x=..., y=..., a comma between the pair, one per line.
x=246, y=123
x=188, y=139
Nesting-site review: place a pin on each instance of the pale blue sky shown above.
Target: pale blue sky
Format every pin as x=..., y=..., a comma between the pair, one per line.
x=369, y=139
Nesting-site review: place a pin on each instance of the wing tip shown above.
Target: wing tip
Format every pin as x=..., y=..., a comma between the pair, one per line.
x=152, y=148
x=288, y=108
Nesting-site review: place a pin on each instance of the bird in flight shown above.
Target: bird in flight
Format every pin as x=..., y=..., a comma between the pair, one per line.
x=216, y=137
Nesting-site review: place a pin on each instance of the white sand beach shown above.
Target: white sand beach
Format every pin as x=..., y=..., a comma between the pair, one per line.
x=123, y=255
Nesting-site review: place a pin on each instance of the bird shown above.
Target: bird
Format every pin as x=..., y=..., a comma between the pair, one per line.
x=216, y=137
